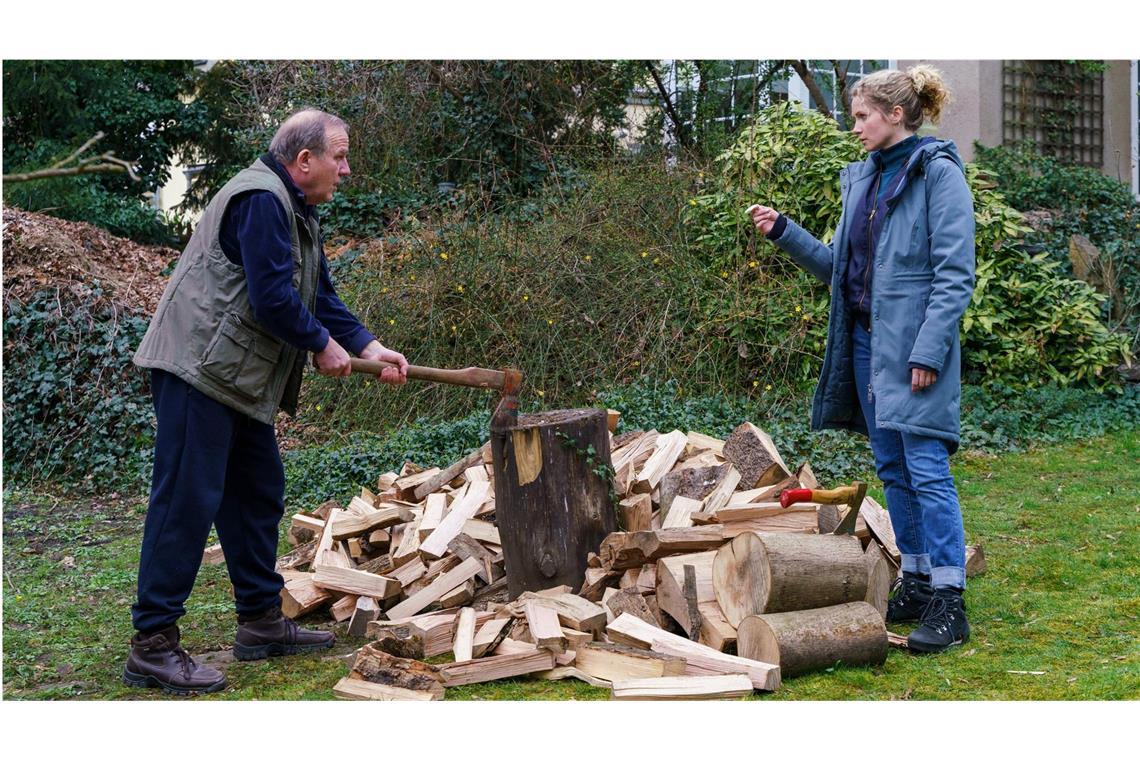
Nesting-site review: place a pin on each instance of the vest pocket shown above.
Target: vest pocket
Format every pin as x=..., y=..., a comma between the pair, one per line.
x=242, y=357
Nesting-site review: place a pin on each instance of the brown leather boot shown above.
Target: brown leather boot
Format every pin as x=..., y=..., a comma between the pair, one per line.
x=159, y=661
x=273, y=635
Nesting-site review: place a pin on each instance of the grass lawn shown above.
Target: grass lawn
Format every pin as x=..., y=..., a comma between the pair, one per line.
x=1057, y=616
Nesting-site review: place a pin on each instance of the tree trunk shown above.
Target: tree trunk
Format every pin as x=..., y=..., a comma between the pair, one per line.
x=552, y=496
x=760, y=573
x=806, y=640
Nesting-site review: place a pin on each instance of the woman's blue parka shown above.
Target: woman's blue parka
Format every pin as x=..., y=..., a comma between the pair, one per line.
x=923, y=281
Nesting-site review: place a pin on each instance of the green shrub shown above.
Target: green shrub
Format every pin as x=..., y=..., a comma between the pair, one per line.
x=1027, y=325
x=75, y=409
x=1077, y=200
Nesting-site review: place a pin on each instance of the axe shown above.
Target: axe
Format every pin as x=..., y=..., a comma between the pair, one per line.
x=851, y=495
x=506, y=381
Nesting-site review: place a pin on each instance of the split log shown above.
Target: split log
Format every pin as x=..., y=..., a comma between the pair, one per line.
x=572, y=610
x=614, y=662
x=359, y=689
x=449, y=474
x=668, y=451
x=671, y=586
x=355, y=582
x=879, y=522
x=681, y=513
x=807, y=640
x=494, y=668
x=403, y=640
x=437, y=588
x=624, y=550
x=723, y=492
x=701, y=660
x=636, y=512
x=684, y=687
x=297, y=559
x=300, y=595
x=698, y=442
x=213, y=555
x=462, y=509
x=716, y=631
x=879, y=576
x=544, y=627
x=760, y=510
x=806, y=477
x=347, y=526
x=551, y=497
x=692, y=483
x=304, y=528
x=489, y=635
x=434, y=509
x=459, y=596
x=465, y=547
x=376, y=666
x=753, y=453
x=757, y=573
x=464, y=640
x=612, y=418
x=343, y=608
x=563, y=672
x=630, y=600
x=785, y=522
x=480, y=530
x=364, y=613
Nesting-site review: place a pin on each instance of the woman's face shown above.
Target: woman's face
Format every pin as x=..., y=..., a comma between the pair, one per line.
x=875, y=129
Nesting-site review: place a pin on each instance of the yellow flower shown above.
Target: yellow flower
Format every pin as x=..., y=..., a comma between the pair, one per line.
x=526, y=298
x=459, y=288
x=752, y=264
x=318, y=407
x=541, y=392
x=587, y=257
x=692, y=201
x=798, y=309
x=453, y=328
x=755, y=383
x=644, y=254
x=768, y=387
x=636, y=363
x=806, y=317
x=700, y=175
x=383, y=290
x=550, y=321
x=443, y=256
x=412, y=277
x=391, y=321
x=724, y=274
x=656, y=260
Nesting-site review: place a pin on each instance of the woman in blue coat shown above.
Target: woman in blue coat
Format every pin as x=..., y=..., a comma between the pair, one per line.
x=901, y=271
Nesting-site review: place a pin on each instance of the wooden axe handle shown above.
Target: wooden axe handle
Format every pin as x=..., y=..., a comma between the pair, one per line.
x=833, y=496
x=472, y=377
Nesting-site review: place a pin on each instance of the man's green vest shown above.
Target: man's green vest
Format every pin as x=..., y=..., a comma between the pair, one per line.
x=204, y=330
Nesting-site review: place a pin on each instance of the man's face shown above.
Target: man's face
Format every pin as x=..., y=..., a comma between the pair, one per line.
x=320, y=174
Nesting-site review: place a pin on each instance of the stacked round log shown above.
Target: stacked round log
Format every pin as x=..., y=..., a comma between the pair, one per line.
x=807, y=640
x=759, y=573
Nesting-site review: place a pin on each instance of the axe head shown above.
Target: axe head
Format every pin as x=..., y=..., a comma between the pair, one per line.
x=506, y=414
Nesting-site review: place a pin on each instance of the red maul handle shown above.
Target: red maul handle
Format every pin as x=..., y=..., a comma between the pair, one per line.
x=794, y=496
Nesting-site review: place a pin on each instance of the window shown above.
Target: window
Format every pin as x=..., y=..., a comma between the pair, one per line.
x=1058, y=106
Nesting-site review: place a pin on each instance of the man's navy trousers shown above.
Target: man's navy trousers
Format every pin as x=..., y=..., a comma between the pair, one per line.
x=212, y=466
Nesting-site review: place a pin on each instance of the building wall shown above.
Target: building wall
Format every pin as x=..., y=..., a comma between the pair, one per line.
x=976, y=111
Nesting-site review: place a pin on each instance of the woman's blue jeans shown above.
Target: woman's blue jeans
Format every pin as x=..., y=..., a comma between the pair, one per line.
x=921, y=498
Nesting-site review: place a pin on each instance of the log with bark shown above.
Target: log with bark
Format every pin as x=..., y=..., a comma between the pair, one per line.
x=807, y=640
x=552, y=496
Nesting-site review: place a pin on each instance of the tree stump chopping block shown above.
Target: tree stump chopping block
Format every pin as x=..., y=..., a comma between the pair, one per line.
x=757, y=573
x=552, y=496
x=806, y=640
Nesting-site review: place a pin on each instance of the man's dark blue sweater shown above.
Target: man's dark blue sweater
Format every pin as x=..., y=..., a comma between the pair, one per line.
x=256, y=235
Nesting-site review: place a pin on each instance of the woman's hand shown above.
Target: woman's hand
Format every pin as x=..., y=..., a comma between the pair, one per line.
x=763, y=217
x=921, y=379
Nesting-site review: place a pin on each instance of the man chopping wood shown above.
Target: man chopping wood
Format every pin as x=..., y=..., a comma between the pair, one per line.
x=250, y=298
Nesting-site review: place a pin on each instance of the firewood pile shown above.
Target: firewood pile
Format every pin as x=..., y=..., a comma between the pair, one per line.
x=712, y=590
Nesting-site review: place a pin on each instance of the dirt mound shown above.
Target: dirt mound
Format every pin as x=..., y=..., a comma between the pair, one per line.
x=42, y=252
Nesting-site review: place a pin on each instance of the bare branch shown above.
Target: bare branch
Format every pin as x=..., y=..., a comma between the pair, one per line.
x=679, y=126
x=801, y=68
x=86, y=165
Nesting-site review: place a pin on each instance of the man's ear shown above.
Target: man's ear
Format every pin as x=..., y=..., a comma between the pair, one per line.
x=302, y=160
